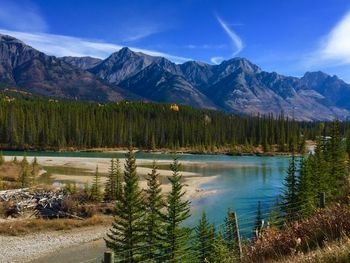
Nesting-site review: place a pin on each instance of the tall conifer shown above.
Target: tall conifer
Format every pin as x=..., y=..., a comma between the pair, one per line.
x=154, y=217
x=204, y=240
x=178, y=210
x=126, y=235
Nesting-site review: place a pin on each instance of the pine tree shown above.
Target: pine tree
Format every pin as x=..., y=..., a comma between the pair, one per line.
x=302, y=144
x=335, y=157
x=258, y=220
x=96, y=194
x=24, y=177
x=318, y=167
x=290, y=193
x=265, y=143
x=126, y=235
x=24, y=162
x=221, y=253
x=178, y=211
x=348, y=143
x=110, y=192
x=154, y=218
x=205, y=236
x=306, y=192
x=275, y=217
x=118, y=180
x=34, y=171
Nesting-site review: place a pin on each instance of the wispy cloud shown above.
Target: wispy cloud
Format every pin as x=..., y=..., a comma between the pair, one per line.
x=206, y=46
x=59, y=45
x=216, y=60
x=24, y=17
x=139, y=29
x=334, y=48
x=236, y=40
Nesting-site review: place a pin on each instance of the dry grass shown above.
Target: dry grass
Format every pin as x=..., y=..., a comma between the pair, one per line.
x=335, y=252
x=29, y=226
x=10, y=171
x=325, y=226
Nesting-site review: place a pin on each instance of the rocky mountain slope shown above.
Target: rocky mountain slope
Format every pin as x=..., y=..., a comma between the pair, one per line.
x=236, y=85
x=24, y=67
x=82, y=62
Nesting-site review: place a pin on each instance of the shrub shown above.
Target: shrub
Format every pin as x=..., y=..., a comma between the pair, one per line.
x=326, y=225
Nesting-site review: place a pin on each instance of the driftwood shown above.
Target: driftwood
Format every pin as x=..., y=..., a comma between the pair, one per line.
x=45, y=203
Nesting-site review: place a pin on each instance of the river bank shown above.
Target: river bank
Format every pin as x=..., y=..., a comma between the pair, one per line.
x=81, y=170
x=238, y=150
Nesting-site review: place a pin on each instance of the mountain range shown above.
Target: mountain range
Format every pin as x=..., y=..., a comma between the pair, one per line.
x=235, y=85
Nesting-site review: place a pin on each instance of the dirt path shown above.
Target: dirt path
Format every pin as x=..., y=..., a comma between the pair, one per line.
x=57, y=245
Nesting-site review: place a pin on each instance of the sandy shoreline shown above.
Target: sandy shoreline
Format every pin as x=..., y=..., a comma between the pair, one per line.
x=192, y=181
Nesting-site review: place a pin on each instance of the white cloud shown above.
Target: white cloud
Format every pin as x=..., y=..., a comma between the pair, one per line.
x=216, y=60
x=60, y=45
x=236, y=40
x=334, y=48
x=24, y=17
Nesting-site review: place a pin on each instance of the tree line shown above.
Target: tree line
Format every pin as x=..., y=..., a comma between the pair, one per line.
x=37, y=123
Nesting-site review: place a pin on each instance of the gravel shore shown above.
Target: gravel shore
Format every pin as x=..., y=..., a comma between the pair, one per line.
x=27, y=248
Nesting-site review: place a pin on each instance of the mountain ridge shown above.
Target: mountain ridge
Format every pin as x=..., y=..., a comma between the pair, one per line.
x=236, y=85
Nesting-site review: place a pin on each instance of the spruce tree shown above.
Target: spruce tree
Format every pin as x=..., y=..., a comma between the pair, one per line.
x=221, y=253
x=306, y=193
x=96, y=194
x=302, y=144
x=111, y=187
x=154, y=217
x=348, y=143
x=34, y=171
x=204, y=240
x=335, y=157
x=126, y=235
x=178, y=210
x=275, y=217
x=24, y=162
x=118, y=180
x=318, y=167
x=291, y=190
x=24, y=178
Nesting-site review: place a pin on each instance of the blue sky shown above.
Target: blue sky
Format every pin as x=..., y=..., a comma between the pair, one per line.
x=289, y=37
